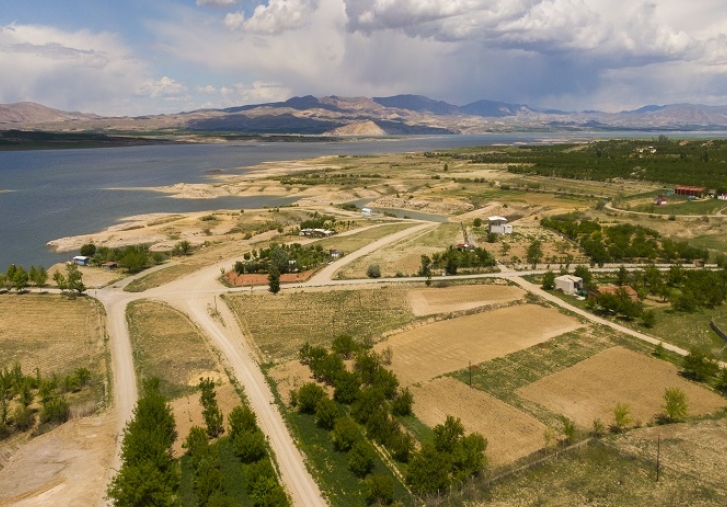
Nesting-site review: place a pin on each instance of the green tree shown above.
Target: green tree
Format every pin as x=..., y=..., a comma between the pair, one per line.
x=468, y=457
x=675, y=404
x=208, y=478
x=448, y=434
x=211, y=410
x=197, y=444
x=347, y=386
x=534, y=252
x=326, y=413
x=402, y=403
x=428, y=470
x=622, y=276
x=309, y=395
x=74, y=279
x=361, y=458
x=345, y=345
x=345, y=434
x=241, y=419
x=250, y=445
x=379, y=489
x=699, y=366
x=621, y=417
x=548, y=281
x=373, y=271
x=274, y=279
x=88, y=250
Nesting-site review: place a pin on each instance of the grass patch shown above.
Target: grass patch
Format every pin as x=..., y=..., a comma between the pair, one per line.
x=502, y=376
x=599, y=474
x=54, y=334
x=351, y=243
x=280, y=324
x=161, y=277
x=167, y=345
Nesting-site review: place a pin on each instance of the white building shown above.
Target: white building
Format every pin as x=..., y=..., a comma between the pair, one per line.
x=569, y=284
x=498, y=225
x=366, y=212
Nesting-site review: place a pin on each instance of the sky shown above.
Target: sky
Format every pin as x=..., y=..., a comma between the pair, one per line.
x=136, y=57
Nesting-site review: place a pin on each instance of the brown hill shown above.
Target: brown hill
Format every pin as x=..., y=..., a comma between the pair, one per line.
x=25, y=113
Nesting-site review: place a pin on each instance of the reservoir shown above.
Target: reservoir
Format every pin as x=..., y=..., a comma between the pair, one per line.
x=48, y=194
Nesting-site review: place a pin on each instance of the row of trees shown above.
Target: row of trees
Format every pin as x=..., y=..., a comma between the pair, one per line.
x=19, y=391
x=622, y=242
x=249, y=446
x=17, y=277
x=133, y=258
x=375, y=403
x=452, y=259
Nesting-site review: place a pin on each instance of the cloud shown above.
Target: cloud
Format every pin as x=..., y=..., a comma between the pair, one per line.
x=164, y=87
x=275, y=17
x=217, y=3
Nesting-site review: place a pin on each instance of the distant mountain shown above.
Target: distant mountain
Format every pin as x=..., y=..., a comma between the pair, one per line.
x=397, y=115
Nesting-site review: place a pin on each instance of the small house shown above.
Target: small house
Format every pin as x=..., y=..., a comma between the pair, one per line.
x=82, y=260
x=569, y=284
x=498, y=225
x=366, y=212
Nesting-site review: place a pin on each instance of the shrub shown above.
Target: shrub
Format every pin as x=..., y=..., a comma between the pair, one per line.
x=373, y=271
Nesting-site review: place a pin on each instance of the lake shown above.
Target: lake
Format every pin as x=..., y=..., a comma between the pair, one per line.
x=56, y=193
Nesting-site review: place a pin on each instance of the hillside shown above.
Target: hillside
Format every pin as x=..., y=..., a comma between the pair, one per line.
x=396, y=115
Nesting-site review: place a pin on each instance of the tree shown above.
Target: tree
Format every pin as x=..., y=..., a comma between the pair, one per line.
x=622, y=276
x=274, y=279
x=446, y=435
x=148, y=475
x=379, y=490
x=326, y=413
x=345, y=434
x=428, y=470
x=468, y=457
x=535, y=252
x=548, y=281
x=345, y=345
x=308, y=397
x=197, y=444
x=211, y=410
x=675, y=404
x=88, y=250
x=699, y=366
x=241, y=419
x=208, y=478
x=347, y=386
x=361, y=458
x=621, y=417
x=74, y=279
x=401, y=405
x=250, y=445
x=373, y=271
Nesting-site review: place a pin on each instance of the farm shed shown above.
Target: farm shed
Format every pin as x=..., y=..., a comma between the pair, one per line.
x=366, y=212
x=498, y=225
x=82, y=260
x=690, y=191
x=569, y=284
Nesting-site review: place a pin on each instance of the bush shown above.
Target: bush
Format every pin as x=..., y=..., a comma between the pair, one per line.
x=345, y=434
x=373, y=271
x=308, y=397
x=361, y=458
x=379, y=490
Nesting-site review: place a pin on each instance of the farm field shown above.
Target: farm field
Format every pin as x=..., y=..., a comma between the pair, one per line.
x=443, y=347
x=430, y=301
x=168, y=346
x=280, y=324
x=511, y=434
x=404, y=256
x=54, y=334
x=353, y=240
x=608, y=472
x=591, y=389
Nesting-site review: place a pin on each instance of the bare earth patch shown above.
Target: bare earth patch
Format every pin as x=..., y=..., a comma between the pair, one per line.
x=511, y=434
x=290, y=376
x=591, y=389
x=188, y=412
x=236, y=280
x=452, y=299
x=435, y=349
x=52, y=333
x=63, y=468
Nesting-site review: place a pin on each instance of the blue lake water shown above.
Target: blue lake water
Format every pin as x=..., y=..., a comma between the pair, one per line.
x=57, y=193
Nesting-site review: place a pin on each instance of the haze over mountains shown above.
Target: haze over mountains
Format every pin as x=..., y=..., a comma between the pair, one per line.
x=377, y=116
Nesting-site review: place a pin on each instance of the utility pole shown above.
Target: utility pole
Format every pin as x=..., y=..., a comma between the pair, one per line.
x=470, y=374
x=658, y=456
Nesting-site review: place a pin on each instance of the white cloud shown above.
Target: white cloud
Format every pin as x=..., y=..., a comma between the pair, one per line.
x=164, y=87
x=207, y=90
x=275, y=17
x=217, y=3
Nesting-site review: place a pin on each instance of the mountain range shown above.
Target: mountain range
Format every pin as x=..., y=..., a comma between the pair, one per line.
x=376, y=116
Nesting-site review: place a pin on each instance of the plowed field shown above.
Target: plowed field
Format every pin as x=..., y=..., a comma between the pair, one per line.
x=591, y=389
x=510, y=433
x=453, y=299
x=435, y=349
